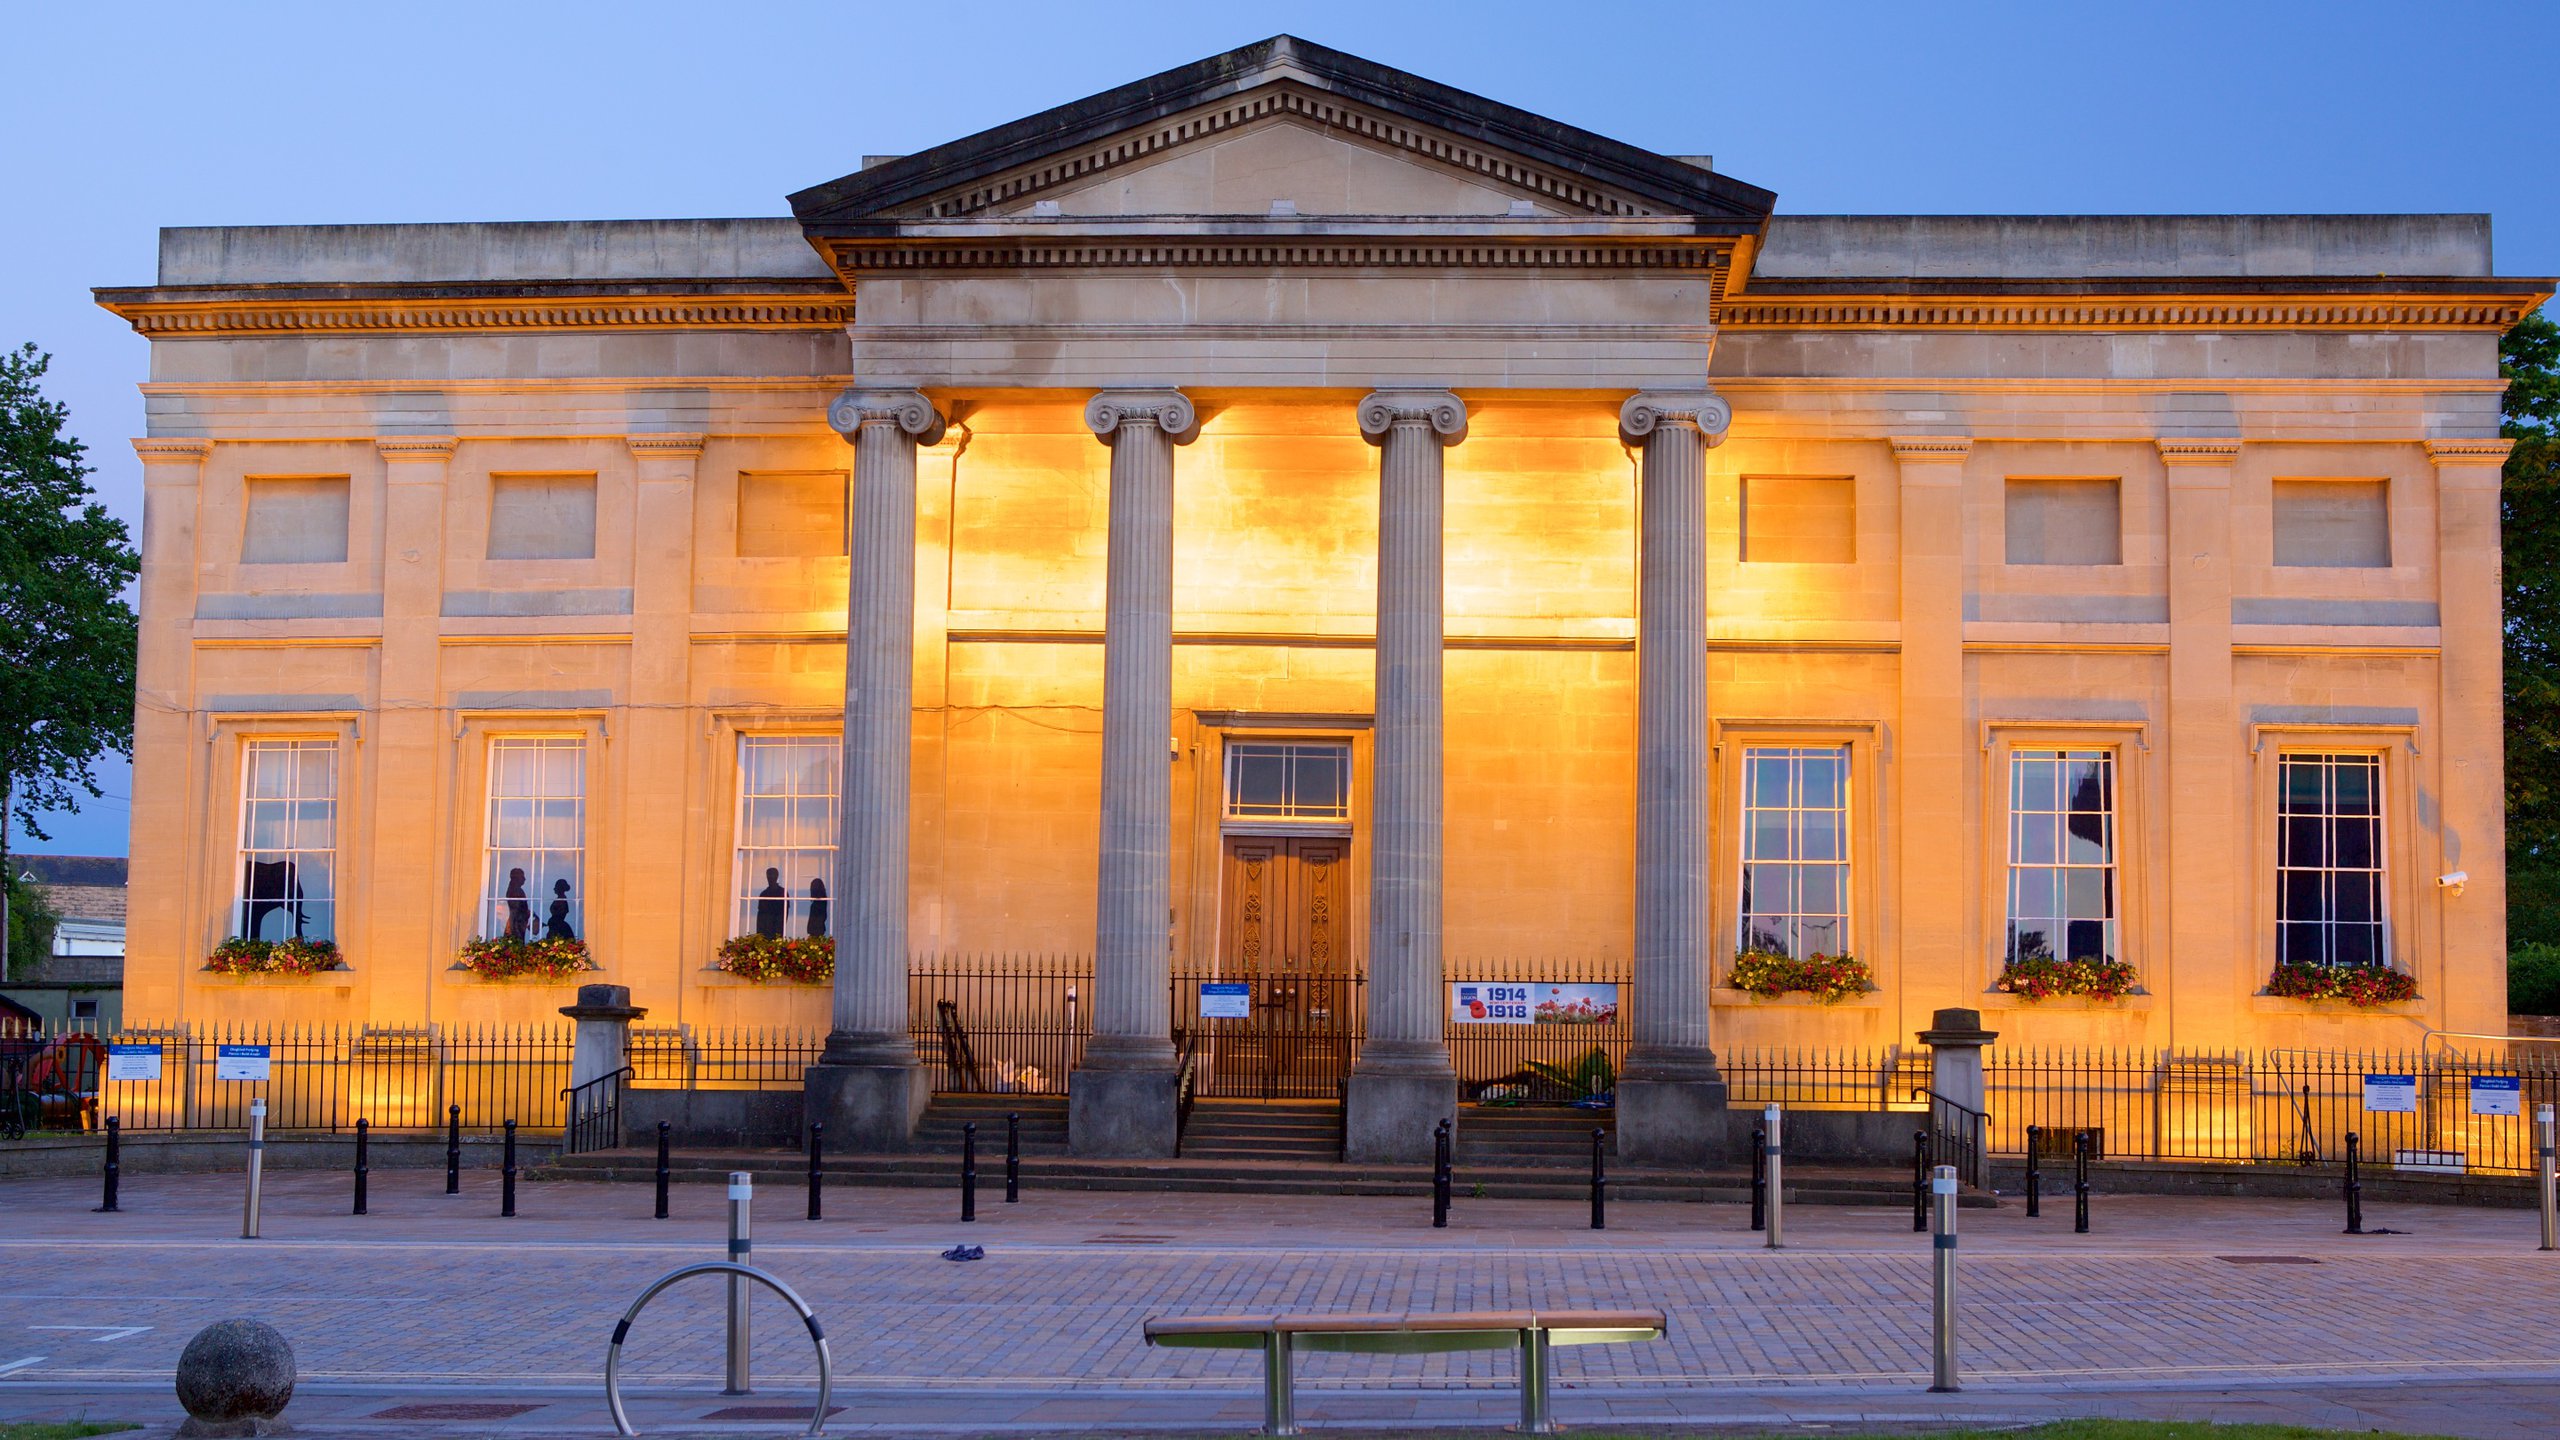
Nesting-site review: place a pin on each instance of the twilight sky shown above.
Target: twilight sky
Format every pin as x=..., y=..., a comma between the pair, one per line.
x=124, y=118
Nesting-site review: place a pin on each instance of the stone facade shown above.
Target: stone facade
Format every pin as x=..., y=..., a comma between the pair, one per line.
x=1140, y=407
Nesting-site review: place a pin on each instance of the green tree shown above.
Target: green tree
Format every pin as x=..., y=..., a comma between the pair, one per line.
x=31, y=924
x=2529, y=358
x=66, y=633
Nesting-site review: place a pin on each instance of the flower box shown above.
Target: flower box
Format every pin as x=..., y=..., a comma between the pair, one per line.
x=2040, y=979
x=283, y=958
x=538, y=960
x=1825, y=978
x=2365, y=987
x=779, y=959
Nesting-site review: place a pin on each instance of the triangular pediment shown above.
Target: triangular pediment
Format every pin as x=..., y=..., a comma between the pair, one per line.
x=1283, y=120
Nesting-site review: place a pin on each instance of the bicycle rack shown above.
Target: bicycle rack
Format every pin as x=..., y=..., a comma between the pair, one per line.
x=808, y=1317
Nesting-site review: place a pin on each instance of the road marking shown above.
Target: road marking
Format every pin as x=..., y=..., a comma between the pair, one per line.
x=111, y=1332
x=16, y=1365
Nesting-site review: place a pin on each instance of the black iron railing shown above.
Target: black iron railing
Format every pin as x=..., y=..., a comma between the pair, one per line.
x=594, y=1113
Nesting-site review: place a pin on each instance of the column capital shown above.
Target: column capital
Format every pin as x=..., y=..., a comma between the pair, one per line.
x=1168, y=410
x=910, y=410
x=664, y=446
x=415, y=447
x=1383, y=410
x=1704, y=411
x=172, y=450
x=2197, y=449
x=2492, y=451
x=1931, y=449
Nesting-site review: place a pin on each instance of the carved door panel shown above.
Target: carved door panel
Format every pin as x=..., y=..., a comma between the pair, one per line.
x=1287, y=904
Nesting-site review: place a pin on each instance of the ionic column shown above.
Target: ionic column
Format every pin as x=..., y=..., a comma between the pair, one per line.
x=1402, y=1085
x=1671, y=1100
x=1121, y=1099
x=866, y=1087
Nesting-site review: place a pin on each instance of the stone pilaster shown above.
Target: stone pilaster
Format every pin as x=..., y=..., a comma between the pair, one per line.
x=649, y=953
x=166, y=920
x=403, y=946
x=1671, y=1100
x=1402, y=1084
x=867, y=1088
x=2207, y=921
x=1120, y=1101
x=2464, y=984
x=1933, y=946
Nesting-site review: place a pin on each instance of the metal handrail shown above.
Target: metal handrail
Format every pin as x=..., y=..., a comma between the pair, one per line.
x=808, y=1317
x=575, y=1117
x=1186, y=1087
x=1971, y=1147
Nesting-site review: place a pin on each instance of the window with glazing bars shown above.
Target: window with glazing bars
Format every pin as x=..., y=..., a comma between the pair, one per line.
x=288, y=841
x=2329, y=860
x=1795, y=850
x=535, y=884
x=2062, y=856
x=1289, y=782
x=786, y=835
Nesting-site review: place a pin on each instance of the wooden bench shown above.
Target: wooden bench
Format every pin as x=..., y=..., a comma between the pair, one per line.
x=1280, y=1337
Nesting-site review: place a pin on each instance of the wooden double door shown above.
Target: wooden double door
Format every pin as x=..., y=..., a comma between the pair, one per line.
x=1286, y=902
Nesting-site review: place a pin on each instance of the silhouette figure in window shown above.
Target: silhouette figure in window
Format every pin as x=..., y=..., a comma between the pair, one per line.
x=817, y=909
x=771, y=903
x=557, y=928
x=519, y=911
x=269, y=886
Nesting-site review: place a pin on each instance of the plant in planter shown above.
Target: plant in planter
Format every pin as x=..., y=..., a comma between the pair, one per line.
x=784, y=959
x=505, y=959
x=1827, y=978
x=1590, y=1082
x=241, y=955
x=2355, y=984
x=2041, y=977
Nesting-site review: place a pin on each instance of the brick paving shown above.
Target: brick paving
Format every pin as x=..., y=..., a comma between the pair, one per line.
x=435, y=1299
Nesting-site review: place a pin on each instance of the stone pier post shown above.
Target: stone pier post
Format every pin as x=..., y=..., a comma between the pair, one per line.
x=1671, y=1100
x=1402, y=1084
x=866, y=1087
x=1120, y=1101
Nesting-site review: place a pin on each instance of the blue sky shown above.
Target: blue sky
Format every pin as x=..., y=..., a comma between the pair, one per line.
x=124, y=118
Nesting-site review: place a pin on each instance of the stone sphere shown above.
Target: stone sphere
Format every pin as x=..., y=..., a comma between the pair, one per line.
x=235, y=1370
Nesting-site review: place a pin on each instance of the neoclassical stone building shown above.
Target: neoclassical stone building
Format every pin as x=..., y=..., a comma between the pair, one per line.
x=1307, y=523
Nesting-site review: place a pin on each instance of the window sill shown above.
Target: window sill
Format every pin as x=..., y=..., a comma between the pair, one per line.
x=712, y=977
x=1864, y=1000
x=464, y=975
x=2011, y=1000
x=2265, y=1004
x=341, y=976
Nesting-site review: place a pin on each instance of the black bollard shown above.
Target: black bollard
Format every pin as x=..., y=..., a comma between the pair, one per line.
x=817, y=1166
x=453, y=1150
x=115, y=1165
x=507, y=1174
x=1440, y=1176
x=1599, y=1182
x=1013, y=1159
x=969, y=1172
x=363, y=1133
x=2035, y=1182
x=1919, y=1181
x=2079, y=1182
x=1759, y=1177
x=662, y=1169
x=2355, y=1189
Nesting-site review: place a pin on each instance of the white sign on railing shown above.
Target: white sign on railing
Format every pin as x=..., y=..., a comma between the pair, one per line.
x=2392, y=1094
x=133, y=1062
x=2497, y=1095
x=240, y=1062
x=1474, y=1002
x=1226, y=1000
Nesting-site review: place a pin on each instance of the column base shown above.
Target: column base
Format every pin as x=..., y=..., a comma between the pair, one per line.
x=1673, y=1121
x=1123, y=1113
x=867, y=1107
x=1388, y=1115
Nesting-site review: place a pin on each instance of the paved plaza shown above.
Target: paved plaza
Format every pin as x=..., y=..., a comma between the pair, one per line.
x=2171, y=1307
